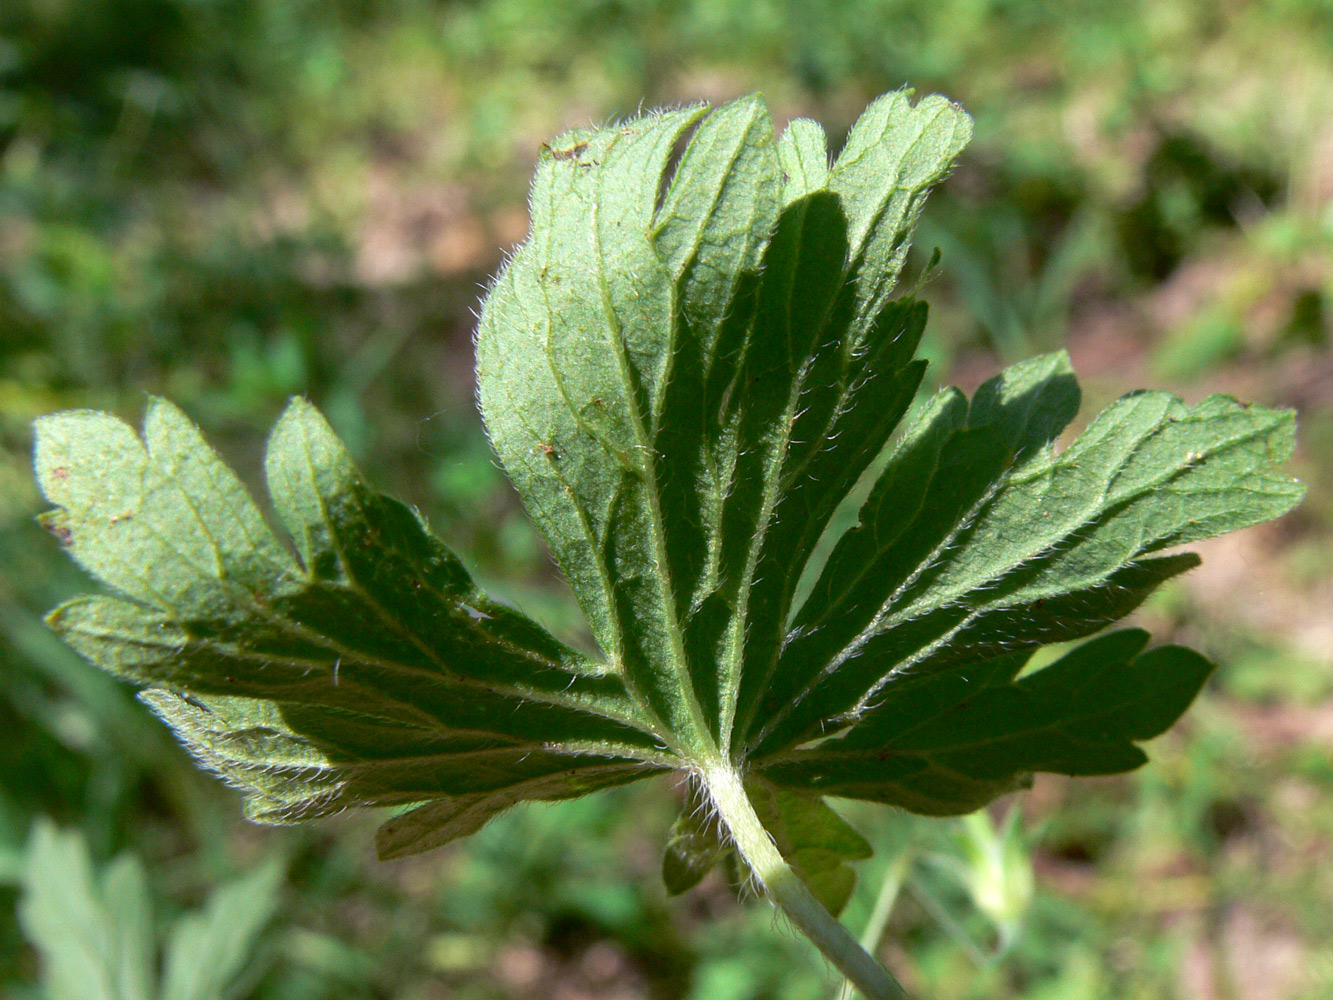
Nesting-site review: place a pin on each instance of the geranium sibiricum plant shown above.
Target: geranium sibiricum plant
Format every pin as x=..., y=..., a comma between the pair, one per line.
x=684, y=370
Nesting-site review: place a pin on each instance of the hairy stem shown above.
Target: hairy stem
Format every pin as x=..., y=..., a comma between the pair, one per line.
x=788, y=893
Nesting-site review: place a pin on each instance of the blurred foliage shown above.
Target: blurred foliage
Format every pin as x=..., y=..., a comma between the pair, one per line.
x=231, y=201
x=95, y=930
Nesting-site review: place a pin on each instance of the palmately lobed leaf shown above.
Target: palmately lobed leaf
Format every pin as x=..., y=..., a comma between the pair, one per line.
x=685, y=370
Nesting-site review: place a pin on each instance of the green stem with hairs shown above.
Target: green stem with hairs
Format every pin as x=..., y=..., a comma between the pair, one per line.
x=786, y=890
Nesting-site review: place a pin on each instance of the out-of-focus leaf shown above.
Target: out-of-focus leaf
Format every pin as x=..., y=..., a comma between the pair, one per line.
x=207, y=950
x=94, y=936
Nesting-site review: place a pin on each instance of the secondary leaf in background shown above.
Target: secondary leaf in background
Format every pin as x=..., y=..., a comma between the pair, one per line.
x=814, y=839
x=208, y=949
x=95, y=935
x=696, y=845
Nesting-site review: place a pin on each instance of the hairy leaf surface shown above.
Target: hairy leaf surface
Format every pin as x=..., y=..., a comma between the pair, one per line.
x=685, y=370
x=370, y=671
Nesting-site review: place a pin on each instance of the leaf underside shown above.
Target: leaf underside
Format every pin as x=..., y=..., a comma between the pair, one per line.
x=684, y=370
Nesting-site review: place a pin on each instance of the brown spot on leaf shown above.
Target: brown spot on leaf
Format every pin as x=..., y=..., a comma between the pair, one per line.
x=570, y=153
x=55, y=524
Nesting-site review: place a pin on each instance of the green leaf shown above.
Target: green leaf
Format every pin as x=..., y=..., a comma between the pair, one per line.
x=369, y=672
x=685, y=369
x=814, y=840
x=95, y=936
x=981, y=540
x=209, y=949
x=697, y=844
x=677, y=392
x=951, y=742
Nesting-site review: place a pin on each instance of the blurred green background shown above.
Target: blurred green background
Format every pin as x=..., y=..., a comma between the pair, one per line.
x=231, y=201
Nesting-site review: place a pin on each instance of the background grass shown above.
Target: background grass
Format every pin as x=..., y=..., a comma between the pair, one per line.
x=230, y=201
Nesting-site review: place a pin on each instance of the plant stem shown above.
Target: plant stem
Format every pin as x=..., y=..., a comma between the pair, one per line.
x=788, y=893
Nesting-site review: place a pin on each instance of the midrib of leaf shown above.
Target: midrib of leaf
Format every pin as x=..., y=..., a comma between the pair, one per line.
x=865, y=308
x=320, y=640
x=596, y=542
x=1162, y=480
x=616, y=651
x=851, y=581
x=714, y=506
x=1093, y=515
x=932, y=559
x=876, y=625
x=651, y=722
x=631, y=754
x=636, y=755
x=880, y=622
x=1056, y=724
x=771, y=492
x=341, y=652
x=308, y=665
x=702, y=746
x=654, y=232
x=775, y=481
